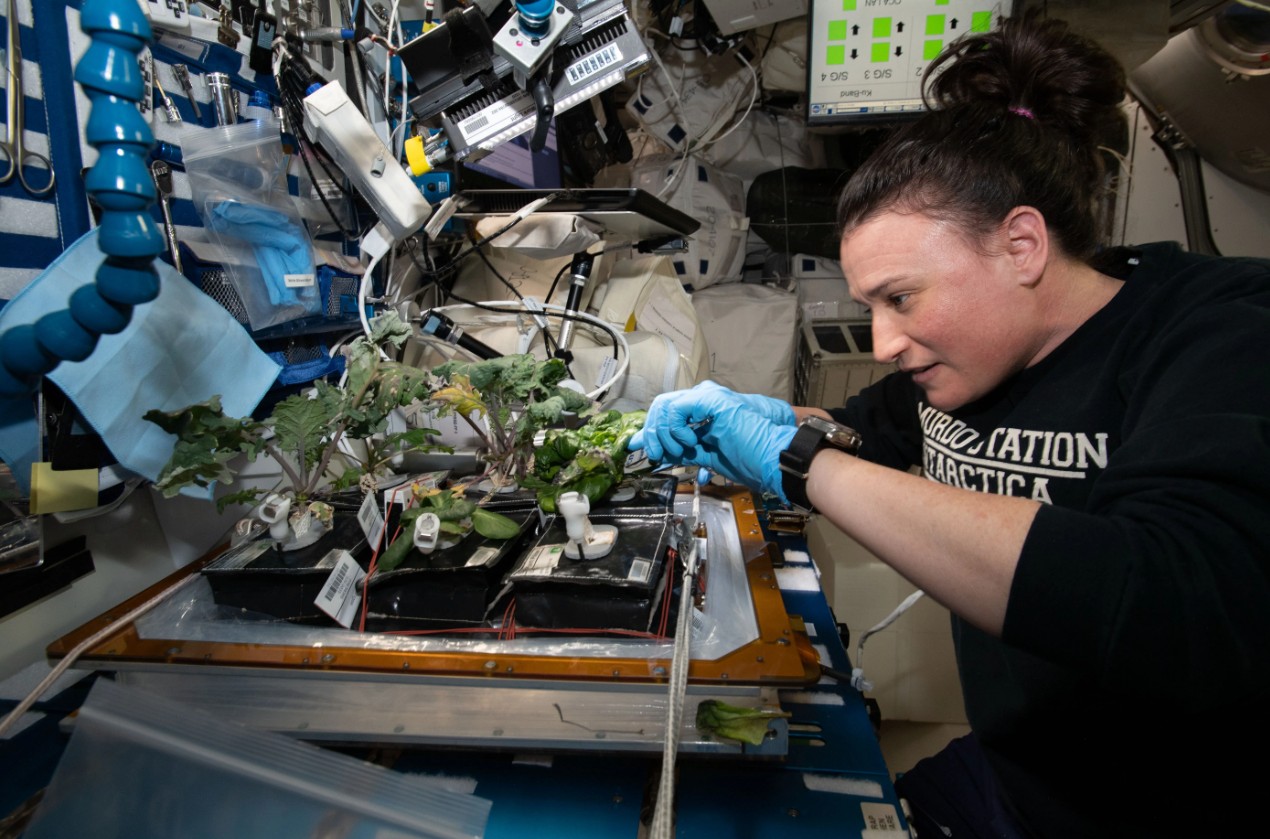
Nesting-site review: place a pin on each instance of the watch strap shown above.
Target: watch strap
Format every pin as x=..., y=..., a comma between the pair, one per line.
x=795, y=463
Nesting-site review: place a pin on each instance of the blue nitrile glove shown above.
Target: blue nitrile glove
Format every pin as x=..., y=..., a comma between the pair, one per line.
x=279, y=245
x=672, y=414
x=735, y=442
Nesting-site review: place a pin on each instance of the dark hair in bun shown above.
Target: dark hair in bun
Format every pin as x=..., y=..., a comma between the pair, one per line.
x=1016, y=116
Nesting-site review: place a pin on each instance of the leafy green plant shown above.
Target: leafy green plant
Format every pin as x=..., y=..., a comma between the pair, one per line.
x=748, y=725
x=458, y=516
x=304, y=431
x=516, y=396
x=589, y=459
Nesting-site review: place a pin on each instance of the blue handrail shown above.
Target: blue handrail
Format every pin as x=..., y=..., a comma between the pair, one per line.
x=121, y=186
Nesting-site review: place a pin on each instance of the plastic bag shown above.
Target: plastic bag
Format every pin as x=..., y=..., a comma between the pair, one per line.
x=237, y=177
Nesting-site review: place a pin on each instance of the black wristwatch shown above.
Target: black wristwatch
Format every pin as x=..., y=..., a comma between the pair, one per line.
x=813, y=434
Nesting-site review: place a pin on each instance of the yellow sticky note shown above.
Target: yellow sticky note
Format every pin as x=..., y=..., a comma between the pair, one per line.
x=57, y=492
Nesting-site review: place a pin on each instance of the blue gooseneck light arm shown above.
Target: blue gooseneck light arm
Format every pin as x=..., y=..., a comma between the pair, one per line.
x=121, y=186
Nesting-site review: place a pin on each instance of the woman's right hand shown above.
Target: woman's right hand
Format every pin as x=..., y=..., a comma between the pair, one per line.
x=713, y=427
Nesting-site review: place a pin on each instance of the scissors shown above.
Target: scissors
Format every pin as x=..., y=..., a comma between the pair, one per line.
x=15, y=102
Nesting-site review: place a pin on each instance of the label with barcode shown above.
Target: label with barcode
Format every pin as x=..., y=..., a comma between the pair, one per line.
x=593, y=63
x=542, y=560
x=371, y=520
x=297, y=280
x=640, y=569
x=339, y=597
x=496, y=117
x=698, y=620
x=481, y=557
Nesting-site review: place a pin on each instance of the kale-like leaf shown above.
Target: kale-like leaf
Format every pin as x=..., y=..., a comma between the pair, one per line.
x=301, y=424
x=207, y=441
x=493, y=525
x=749, y=725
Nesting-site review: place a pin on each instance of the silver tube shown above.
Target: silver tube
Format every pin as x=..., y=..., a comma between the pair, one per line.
x=224, y=98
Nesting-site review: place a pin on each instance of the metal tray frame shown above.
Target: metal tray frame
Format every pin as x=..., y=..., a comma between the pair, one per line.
x=782, y=655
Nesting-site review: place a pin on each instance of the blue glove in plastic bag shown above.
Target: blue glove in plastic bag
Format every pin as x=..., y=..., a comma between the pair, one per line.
x=281, y=248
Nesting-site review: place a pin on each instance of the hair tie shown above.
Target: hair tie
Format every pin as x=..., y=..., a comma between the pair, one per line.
x=1023, y=112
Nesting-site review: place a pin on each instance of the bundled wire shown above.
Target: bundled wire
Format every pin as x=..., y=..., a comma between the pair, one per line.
x=293, y=76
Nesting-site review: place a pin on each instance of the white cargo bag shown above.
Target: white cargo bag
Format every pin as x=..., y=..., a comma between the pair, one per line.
x=716, y=251
x=752, y=332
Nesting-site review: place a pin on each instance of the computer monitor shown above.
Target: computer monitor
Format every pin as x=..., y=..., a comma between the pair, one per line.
x=513, y=165
x=866, y=58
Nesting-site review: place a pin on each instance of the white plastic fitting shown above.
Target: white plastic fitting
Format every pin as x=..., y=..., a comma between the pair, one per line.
x=274, y=511
x=586, y=541
x=427, y=532
x=341, y=130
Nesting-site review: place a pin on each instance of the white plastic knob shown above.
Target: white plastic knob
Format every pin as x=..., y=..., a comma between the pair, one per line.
x=574, y=507
x=427, y=532
x=274, y=511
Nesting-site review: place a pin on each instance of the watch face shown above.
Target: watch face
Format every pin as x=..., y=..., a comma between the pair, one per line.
x=839, y=436
x=821, y=424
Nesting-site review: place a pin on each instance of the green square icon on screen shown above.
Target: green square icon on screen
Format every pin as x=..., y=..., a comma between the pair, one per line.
x=836, y=55
x=931, y=50
x=837, y=30
x=848, y=5
x=981, y=21
x=882, y=27
x=881, y=52
x=934, y=24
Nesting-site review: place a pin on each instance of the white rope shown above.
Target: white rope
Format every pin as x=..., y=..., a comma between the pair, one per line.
x=663, y=812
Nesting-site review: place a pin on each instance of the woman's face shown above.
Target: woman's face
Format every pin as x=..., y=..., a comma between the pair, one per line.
x=955, y=316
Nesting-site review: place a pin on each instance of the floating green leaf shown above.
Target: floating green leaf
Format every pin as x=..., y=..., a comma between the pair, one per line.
x=749, y=725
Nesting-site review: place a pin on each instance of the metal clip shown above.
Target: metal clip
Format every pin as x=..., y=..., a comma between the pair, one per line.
x=227, y=34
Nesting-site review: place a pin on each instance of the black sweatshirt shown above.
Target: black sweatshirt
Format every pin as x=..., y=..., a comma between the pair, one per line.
x=1133, y=671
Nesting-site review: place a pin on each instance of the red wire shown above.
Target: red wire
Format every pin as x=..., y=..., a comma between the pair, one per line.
x=374, y=564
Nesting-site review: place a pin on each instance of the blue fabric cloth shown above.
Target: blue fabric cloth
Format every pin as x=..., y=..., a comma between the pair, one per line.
x=279, y=245
x=306, y=371
x=179, y=349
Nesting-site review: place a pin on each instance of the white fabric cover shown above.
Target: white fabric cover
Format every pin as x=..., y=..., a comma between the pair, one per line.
x=695, y=102
x=529, y=276
x=752, y=332
x=763, y=143
x=717, y=250
x=644, y=295
x=784, y=64
x=541, y=235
